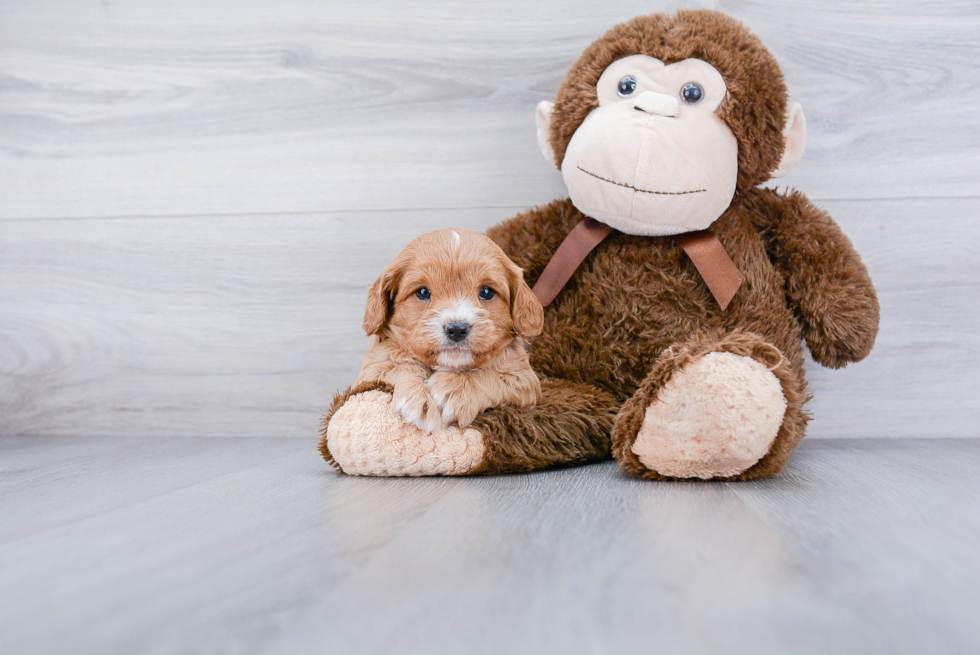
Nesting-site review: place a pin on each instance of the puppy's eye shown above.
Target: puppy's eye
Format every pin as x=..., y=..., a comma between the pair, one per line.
x=423, y=293
x=486, y=293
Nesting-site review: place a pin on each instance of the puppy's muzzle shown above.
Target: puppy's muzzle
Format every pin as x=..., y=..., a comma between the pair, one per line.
x=457, y=331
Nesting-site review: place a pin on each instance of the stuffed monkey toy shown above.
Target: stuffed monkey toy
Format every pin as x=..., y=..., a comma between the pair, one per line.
x=677, y=292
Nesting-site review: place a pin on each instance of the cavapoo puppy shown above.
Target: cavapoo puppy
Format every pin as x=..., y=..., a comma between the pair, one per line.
x=448, y=321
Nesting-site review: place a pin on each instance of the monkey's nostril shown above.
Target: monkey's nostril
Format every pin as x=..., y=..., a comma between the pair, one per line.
x=457, y=331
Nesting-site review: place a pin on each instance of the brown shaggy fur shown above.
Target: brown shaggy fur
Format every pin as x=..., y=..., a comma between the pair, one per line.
x=568, y=427
x=637, y=310
x=754, y=108
x=676, y=357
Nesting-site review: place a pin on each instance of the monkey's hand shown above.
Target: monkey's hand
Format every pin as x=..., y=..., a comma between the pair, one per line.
x=459, y=396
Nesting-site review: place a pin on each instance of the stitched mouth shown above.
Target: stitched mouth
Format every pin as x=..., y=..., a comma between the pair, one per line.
x=630, y=186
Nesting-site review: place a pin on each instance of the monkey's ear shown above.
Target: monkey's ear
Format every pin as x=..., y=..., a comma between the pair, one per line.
x=794, y=135
x=525, y=308
x=544, y=130
x=380, y=295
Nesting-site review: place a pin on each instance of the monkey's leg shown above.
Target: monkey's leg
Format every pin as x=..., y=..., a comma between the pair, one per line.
x=364, y=435
x=723, y=406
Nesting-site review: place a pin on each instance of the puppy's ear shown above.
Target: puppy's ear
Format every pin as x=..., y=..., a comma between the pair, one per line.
x=525, y=308
x=381, y=295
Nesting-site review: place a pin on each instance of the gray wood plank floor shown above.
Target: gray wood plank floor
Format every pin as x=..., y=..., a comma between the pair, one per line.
x=180, y=545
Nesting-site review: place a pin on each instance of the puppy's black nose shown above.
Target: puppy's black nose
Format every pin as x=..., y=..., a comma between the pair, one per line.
x=457, y=331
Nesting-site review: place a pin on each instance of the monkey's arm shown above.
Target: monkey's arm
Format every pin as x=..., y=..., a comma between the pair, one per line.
x=827, y=285
x=532, y=237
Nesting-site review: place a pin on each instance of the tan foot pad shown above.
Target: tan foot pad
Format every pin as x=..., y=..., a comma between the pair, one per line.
x=714, y=418
x=367, y=437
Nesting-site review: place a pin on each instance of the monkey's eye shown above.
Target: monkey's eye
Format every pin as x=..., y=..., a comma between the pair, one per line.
x=486, y=293
x=626, y=86
x=423, y=293
x=692, y=93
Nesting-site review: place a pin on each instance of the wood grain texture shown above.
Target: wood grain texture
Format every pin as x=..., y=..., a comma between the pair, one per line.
x=246, y=325
x=860, y=546
x=214, y=107
x=195, y=194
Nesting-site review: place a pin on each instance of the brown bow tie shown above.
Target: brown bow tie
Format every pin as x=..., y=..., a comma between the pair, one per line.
x=703, y=247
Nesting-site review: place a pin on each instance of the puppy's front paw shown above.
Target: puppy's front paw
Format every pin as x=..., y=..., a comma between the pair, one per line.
x=417, y=406
x=458, y=400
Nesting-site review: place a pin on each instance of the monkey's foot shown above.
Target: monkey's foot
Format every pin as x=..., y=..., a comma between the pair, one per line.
x=715, y=417
x=366, y=436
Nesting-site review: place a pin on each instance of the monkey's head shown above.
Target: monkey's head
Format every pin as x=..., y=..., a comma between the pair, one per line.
x=665, y=118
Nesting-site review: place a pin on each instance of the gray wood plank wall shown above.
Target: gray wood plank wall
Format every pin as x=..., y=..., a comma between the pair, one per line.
x=195, y=194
